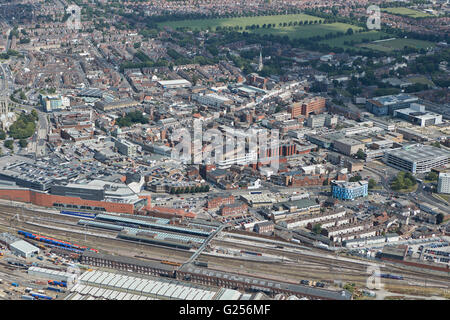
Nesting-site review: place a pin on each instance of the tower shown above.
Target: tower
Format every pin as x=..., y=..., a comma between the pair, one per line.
x=260, y=65
x=3, y=105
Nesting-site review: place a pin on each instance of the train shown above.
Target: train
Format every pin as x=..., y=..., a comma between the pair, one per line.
x=57, y=283
x=312, y=283
x=389, y=276
x=201, y=264
x=55, y=289
x=176, y=264
x=40, y=296
x=55, y=242
x=251, y=252
x=79, y=214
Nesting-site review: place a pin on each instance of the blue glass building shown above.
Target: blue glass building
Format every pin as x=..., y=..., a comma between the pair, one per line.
x=344, y=190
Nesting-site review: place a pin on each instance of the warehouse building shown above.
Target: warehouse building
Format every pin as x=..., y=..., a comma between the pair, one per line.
x=23, y=249
x=50, y=274
x=18, y=246
x=417, y=158
x=112, y=286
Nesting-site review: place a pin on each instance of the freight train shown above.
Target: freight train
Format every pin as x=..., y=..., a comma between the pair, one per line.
x=176, y=264
x=57, y=283
x=251, y=252
x=55, y=242
x=40, y=296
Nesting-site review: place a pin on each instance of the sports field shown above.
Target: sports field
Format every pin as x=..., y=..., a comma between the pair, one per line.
x=397, y=44
x=211, y=24
x=308, y=30
x=348, y=41
x=407, y=12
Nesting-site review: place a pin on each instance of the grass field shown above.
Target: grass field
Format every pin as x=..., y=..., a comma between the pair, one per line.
x=211, y=24
x=397, y=44
x=362, y=37
x=421, y=79
x=307, y=31
x=407, y=12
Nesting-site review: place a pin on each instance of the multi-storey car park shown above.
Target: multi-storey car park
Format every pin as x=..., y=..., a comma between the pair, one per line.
x=417, y=158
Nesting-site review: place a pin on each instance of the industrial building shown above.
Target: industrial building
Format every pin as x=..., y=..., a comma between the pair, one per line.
x=268, y=286
x=417, y=158
x=344, y=190
x=112, y=286
x=444, y=183
x=50, y=274
x=18, y=246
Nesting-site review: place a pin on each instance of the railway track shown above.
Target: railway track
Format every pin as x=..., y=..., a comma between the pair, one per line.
x=344, y=268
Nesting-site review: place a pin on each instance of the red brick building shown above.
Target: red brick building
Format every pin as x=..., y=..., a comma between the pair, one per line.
x=234, y=209
x=43, y=199
x=220, y=201
x=313, y=105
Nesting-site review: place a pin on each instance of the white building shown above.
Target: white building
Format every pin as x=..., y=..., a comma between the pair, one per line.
x=444, y=183
x=23, y=249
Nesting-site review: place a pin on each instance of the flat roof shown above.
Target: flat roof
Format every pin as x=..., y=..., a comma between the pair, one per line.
x=24, y=247
x=419, y=153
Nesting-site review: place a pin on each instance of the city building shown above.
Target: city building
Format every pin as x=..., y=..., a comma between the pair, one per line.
x=212, y=99
x=416, y=114
x=344, y=190
x=444, y=183
x=348, y=146
x=172, y=84
x=52, y=103
x=126, y=148
x=386, y=105
x=234, y=209
x=417, y=158
x=266, y=227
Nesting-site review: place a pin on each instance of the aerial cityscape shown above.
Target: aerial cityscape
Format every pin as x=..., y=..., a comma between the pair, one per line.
x=214, y=150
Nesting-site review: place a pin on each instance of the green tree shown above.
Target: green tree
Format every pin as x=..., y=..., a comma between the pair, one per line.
x=360, y=154
x=2, y=135
x=372, y=183
x=439, y=218
x=432, y=176
x=23, y=143
x=9, y=144
x=317, y=228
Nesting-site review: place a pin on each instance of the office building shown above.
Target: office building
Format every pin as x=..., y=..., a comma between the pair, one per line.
x=444, y=183
x=386, y=105
x=416, y=114
x=126, y=148
x=344, y=190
